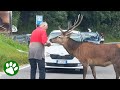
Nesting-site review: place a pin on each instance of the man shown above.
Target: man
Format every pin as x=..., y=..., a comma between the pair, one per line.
x=36, y=50
x=101, y=38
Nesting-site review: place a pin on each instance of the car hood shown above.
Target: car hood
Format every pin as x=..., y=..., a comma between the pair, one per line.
x=56, y=49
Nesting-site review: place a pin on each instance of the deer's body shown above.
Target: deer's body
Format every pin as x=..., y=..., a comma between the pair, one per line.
x=90, y=54
x=93, y=54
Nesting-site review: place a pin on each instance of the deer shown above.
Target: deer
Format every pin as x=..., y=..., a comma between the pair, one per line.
x=88, y=53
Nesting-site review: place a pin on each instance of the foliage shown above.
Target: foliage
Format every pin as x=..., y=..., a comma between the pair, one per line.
x=107, y=22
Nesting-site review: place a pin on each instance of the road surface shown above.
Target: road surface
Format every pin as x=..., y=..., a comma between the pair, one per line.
x=102, y=73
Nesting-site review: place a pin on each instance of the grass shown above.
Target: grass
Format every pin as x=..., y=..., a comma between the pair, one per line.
x=8, y=51
x=109, y=38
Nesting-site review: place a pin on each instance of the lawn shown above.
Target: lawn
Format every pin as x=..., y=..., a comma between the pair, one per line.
x=8, y=51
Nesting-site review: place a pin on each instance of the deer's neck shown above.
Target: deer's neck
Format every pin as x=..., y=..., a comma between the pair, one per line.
x=71, y=46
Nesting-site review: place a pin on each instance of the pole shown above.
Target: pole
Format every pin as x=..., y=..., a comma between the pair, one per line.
x=10, y=16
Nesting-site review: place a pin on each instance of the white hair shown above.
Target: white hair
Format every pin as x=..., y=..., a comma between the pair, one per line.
x=44, y=24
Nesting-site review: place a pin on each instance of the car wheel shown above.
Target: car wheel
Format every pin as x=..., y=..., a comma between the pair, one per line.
x=101, y=42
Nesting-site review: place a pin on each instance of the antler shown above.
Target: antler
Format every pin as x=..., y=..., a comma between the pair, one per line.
x=76, y=23
x=69, y=25
x=60, y=29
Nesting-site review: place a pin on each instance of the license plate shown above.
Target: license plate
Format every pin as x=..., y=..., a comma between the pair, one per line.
x=61, y=61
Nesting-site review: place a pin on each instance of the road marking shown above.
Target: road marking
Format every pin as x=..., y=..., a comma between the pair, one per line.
x=22, y=51
x=21, y=67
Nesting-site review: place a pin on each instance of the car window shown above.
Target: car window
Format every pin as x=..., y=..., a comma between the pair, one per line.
x=54, y=34
x=90, y=36
x=19, y=37
x=74, y=36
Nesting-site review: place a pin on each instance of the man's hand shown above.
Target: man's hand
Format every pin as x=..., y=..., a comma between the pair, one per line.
x=48, y=44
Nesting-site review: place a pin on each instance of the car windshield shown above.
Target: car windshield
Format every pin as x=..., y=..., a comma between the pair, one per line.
x=74, y=36
x=20, y=37
x=92, y=36
x=54, y=34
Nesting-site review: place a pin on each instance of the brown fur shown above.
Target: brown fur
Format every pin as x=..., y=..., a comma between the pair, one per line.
x=90, y=54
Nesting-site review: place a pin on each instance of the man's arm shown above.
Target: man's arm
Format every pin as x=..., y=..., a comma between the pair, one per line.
x=47, y=44
x=44, y=39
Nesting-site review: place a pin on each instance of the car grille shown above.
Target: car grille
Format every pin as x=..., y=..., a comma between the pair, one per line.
x=61, y=65
x=56, y=56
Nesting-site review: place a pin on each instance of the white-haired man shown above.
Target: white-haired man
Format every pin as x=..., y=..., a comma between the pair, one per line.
x=36, y=50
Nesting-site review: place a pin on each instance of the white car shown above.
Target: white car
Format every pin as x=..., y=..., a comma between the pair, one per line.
x=57, y=57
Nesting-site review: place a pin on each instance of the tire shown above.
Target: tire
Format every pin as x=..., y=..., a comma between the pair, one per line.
x=101, y=42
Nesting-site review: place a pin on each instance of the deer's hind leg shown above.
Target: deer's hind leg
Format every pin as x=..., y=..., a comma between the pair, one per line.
x=117, y=70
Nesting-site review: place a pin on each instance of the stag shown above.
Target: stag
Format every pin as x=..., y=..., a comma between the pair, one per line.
x=89, y=54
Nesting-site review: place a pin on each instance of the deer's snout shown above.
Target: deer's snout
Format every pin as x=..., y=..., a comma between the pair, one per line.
x=50, y=40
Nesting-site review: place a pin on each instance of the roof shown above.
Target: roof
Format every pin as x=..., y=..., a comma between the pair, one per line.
x=74, y=31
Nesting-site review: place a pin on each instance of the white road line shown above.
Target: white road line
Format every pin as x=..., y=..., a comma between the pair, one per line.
x=1, y=73
x=22, y=51
x=21, y=67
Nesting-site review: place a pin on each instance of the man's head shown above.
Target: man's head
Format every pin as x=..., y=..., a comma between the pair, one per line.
x=44, y=25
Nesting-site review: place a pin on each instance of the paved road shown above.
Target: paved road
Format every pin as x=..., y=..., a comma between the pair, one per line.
x=102, y=73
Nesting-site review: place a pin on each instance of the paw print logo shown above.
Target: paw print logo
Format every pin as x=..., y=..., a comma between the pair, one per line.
x=11, y=68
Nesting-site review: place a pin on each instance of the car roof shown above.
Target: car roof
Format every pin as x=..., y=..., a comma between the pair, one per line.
x=28, y=34
x=74, y=31
x=88, y=32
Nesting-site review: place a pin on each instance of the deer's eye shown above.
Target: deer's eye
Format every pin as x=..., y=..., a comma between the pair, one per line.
x=59, y=36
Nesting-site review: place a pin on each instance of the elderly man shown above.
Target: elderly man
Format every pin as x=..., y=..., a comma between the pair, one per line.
x=36, y=50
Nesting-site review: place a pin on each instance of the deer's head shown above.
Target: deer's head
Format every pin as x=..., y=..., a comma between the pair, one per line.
x=61, y=39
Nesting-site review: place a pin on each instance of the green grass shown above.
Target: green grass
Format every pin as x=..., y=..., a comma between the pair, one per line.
x=109, y=38
x=8, y=51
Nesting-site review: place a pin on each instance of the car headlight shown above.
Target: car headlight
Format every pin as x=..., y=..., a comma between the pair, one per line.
x=47, y=54
x=79, y=64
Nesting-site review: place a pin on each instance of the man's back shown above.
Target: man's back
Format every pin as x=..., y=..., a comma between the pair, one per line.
x=39, y=35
